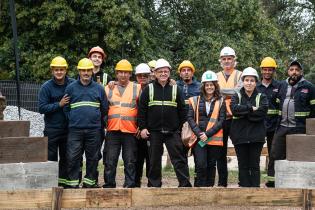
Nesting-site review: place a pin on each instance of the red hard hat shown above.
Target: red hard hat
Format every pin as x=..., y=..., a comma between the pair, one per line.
x=99, y=50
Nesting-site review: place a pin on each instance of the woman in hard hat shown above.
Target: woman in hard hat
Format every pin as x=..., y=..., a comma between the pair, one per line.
x=205, y=117
x=248, y=131
x=142, y=73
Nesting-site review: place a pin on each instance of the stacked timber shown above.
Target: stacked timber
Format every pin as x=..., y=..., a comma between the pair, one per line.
x=298, y=170
x=23, y=159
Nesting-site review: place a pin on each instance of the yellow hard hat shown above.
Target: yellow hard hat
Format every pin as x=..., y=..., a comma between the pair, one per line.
x=268, y=62
x=123, y=65
x=59, y=62
x=85, y=63
x=152, y=63
x=186, y=63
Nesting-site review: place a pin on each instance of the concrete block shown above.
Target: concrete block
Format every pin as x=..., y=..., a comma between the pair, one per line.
x=14, y=128
x=310, y=126
x=294, y=174
x=33, y=175
x=23, y=149
x=301, y=147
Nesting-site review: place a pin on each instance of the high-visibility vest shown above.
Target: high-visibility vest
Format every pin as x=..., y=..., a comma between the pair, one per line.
x=122, y=113
x=105, y=77
x=217, y=138
x=153, y=102
x=228, y=84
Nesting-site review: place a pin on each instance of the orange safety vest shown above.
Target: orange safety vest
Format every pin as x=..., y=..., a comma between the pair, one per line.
x=217, y=138
x=122, y=113
x=228, y=84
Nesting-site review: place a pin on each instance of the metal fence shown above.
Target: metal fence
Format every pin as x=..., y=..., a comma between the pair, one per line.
x=29, y=94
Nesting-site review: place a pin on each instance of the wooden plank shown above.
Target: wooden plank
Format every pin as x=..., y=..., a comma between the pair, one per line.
x=108, y=198
x=301, y=147
x=231, y=151
x=56, y=198
x=307, y=199
x=23, y=149
x=310, y=126
x=14, y=128
x=216, y=196
x=73, y=198
x=24, y=199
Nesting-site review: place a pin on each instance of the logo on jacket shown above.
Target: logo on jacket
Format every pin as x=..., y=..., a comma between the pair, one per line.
x=304, y=90
x=276, y=90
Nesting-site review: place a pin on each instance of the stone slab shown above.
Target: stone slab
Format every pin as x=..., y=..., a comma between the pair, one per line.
x=35, y=175
x=310, y=126
x=300, y=147
x=294, y=174
x=14, y=128
x=23, y=149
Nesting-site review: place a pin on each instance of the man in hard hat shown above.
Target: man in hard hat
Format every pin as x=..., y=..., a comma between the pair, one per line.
x=121, y=126
x=270, y=87
x=86, y=111
x=52, y=99
x=229, y=81
x=297, y=103
x=98, y=56
x=152, y=66
x=188, y=83
x=143, y=78
x=161, y=116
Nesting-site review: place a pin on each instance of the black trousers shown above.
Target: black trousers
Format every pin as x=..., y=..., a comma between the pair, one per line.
x=57, y=140
x=269, y=137
x=142, y=155
x=222, y=161
x=79, y=141
x=248, y=157
x=115, y=141
x=176, y=151
x=205, y=164
x=278, y=148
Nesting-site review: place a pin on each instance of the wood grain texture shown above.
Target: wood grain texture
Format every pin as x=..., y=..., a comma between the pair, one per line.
x=310, y=126
x=14, y=128
x=301, y=147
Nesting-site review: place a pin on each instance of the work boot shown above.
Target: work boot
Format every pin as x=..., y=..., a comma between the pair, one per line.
x=270, y=184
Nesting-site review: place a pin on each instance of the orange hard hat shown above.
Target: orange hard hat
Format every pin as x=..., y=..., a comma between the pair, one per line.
x=99, y=50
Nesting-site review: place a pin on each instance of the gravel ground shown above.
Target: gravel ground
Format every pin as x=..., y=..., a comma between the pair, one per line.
x=36, y=119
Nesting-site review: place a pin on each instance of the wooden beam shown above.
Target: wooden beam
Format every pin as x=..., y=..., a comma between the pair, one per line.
x=300, y=147
x=23, y=149
x=14, y=128
x=310, y=126
x=56, y=198
x=231, y=151
x=216, y=196
x=154, y=197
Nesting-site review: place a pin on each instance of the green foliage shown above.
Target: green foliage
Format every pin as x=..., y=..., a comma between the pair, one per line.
x=144, y=30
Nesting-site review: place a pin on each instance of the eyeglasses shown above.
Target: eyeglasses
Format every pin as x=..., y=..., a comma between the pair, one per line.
x=162, y=71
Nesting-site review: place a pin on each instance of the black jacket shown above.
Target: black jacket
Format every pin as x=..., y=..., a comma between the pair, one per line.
x=204, y=118
x=158, y=118
x=273, y=105
x=249, y=126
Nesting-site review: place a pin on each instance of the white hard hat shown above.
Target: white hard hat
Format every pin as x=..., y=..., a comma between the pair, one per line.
x=143, y=68
x=209, y=76
x=249, y=71
x=227, y=51
x=162, y=63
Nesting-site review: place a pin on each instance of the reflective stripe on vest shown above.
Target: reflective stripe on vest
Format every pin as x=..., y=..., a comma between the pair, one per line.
x=84, y=103
x=273, y=111
x=257, y=101
x=228, y=84
x=298, y=114
x=105, y=76
x=122, y=113
x=162, y=103
x=312, y=102
x=217, y=138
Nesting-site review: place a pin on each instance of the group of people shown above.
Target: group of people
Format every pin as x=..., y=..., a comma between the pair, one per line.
x=138, y=117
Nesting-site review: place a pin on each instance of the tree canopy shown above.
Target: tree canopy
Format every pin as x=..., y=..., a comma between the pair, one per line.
x=150, y=29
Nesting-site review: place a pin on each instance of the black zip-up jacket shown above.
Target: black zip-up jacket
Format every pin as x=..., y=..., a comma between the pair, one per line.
x=273, y=106
x=204, y=118
x=304, y=101
x=161, y=118
x=249, y=127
